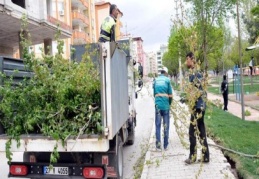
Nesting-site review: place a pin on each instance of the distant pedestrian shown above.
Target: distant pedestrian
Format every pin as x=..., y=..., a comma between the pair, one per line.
x=251, y=65
x=163, y=98
x=224, y=91
x=107, y=33
x=197, y=103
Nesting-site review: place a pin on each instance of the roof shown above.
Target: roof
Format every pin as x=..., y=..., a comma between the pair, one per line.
x=137, y=38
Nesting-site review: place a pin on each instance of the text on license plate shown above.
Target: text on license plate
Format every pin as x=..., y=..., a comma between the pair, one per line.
x=55, y=170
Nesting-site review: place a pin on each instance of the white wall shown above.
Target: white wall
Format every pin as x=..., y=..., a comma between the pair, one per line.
x=35, y=9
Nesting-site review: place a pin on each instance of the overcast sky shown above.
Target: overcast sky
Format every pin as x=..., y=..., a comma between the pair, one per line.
x=148, y=19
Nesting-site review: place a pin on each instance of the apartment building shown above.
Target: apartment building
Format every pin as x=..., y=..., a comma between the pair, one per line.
x=42, y=25
x=159, y=57
x=60, y=11
x=80, y=16
x=79, y=22
x=138, y=53
x=76, y=20
x=138, y=48
x=151, y=60
x=83, y=22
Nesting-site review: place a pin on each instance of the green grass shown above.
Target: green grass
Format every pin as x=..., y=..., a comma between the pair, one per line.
x=246, y=80
x=175, y=85
x=247, y=88
x=236, y=134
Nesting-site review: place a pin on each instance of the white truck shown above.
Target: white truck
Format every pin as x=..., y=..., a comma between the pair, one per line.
x=95, y=156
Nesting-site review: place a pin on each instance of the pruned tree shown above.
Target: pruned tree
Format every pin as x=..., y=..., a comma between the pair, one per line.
x=250, y=18
x=207, y=14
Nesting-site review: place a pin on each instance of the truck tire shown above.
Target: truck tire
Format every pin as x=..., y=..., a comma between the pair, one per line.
x=119, y=159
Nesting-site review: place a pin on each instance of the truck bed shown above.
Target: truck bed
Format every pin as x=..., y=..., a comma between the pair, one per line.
x=30, y=143
x=115, y=109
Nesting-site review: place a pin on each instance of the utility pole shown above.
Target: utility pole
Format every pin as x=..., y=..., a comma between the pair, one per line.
x=240, y=61
x=179, y=60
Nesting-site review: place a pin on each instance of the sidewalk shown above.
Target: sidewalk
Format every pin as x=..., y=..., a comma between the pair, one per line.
x=170, y=164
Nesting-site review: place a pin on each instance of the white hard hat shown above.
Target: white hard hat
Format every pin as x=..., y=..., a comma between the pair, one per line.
x=165, y=69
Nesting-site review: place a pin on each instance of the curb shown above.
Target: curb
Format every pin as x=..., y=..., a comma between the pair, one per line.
x=145, y=170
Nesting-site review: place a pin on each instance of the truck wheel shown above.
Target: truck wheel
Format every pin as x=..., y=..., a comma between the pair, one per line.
x=119, y=159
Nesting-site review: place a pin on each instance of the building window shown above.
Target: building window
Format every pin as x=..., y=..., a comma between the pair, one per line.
x=20, y=3
x=61, y=8
x=38, y=48
x=31, y=49
x=53, y=8
x=49, y=7
x=55, y=47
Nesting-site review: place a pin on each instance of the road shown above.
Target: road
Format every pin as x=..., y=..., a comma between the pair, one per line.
x=4, y=168
x=145, y=118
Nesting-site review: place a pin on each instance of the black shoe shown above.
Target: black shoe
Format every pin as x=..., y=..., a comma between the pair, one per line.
x=204, y=161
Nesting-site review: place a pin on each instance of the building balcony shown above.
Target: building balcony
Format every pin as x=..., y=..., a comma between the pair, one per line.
x=82, y=4
x=40, y=25
x=79, y=18
x=80, y=37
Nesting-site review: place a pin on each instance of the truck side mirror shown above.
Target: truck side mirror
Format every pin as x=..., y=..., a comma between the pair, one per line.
x=140, y=83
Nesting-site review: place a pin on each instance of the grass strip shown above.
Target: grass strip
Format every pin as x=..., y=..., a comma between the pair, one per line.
x=236, y=134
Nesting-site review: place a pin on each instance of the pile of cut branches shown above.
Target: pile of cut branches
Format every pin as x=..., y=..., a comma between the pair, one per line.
x=61, y=99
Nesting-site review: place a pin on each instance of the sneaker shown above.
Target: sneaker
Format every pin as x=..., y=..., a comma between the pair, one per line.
x=166, y=149
x=158, y=149
x=204, y=161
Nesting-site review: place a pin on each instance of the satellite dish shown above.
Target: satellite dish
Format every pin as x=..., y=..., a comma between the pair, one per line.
x=252, y=47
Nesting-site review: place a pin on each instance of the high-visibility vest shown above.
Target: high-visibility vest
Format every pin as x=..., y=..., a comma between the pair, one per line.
x=106, y=28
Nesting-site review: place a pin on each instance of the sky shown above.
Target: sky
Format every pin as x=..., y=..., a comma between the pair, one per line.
x=148, y=19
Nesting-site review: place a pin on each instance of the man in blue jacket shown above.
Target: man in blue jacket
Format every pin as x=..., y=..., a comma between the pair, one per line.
x=198, y=107
x=163, y=98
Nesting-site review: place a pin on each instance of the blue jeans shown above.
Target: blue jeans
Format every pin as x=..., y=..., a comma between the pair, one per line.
x=166, y=121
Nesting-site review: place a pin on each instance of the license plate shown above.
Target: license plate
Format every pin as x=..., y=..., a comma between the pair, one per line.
x=55, y=170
